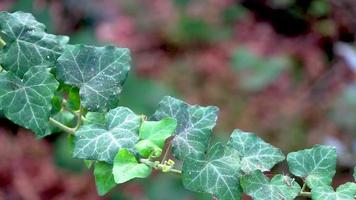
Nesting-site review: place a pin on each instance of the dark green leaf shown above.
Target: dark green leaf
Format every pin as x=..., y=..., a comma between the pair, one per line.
x=27, y=101
x=195, y=124
x=316, y=165
x=258, y=186
x=27, y=43
x=254, y=152
x=346, y=191
x=99, y=72
x=217, y=174
x=103, y=141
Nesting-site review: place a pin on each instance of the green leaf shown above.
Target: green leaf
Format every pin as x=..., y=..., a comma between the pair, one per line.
x=104, y=179
x=346, y=191
x=27, y=101
x=217, y=174
x=126, y=167
x=258, y=186
x=254, y=152
x=27, y=43
x=65, y=117
x=195, y=124
x=103, y=141
x=147, y=148
x=157, y=131
x=316, y=165
x=99, y=72
x=154, y=135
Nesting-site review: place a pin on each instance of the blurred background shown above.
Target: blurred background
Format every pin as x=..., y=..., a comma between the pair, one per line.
x=283, y=69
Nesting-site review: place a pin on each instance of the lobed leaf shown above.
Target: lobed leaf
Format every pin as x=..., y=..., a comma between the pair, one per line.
x=258, y=186
x=27, y=101
x=126, y=167
x=27, y=43
x=217, y=174
x=104, y=179
x=346, y=191
x=99, y=73
x=316, y=165
x=194, y=126
x=254, y=152
x=102, y=141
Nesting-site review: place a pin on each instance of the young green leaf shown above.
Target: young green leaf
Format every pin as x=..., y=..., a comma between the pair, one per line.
x=346, y=191
x=126, y=167
x=217, y=174
x=27, y=43
x=99, y=72
x=146, y=148
x=94, y=118
x=103, y=141
x=254, y=152
x=27, y=101
x=104, y=179
x=258, y=186
x=158, y=131
x=195, y=124
x=316, y=165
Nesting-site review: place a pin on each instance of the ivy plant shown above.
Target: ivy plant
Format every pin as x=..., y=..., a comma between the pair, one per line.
x=48, y=85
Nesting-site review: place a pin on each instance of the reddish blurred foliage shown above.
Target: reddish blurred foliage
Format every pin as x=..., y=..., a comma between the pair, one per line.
x=27, y=172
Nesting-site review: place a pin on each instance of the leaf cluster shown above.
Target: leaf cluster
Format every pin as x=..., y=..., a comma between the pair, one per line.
x=48, y=85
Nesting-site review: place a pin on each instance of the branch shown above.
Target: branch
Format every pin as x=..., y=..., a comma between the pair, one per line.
x=61, y=126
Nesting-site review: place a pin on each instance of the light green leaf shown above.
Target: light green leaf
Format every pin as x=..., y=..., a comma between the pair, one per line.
x=104, y=178
x=346, y=191
x=258, y=186
x=27, y=101
x=158, y=131
x=103, y=141
x=126, y=167
x=147, y=148
x=217, y=174
x=99, y=72
x=195, y=124
x=254, y=152
x=316, y=165
x=27, y=43
x=94, y=118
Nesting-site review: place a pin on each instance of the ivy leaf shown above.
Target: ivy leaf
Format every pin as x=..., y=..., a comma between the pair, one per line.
x=104, y=178
x=94, y=118
x=195, y=124
x=316, y=165
x=99, y=72
x=346, y=191
x=258, y=186
x=254, y=152
x=154, y=135
x=27, y=101
x=27, y=43
x=126, y=167
x=217, y=174
x=102, y=141
x=157, y=131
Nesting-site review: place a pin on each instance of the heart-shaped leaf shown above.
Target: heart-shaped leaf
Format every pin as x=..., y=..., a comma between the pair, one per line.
x=346, y=191
x=126, y=167
x=254, y=152
x=103, y=141
x=27, y=101
x=104, y=179
x=195, y=124
x=99, y=72
x=316, y=165
x=258, y=186
x=217, y=174
x=27, y=43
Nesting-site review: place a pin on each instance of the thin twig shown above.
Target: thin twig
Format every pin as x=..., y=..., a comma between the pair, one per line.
x=158, y=166
x=166, y=152
x=61, y=126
